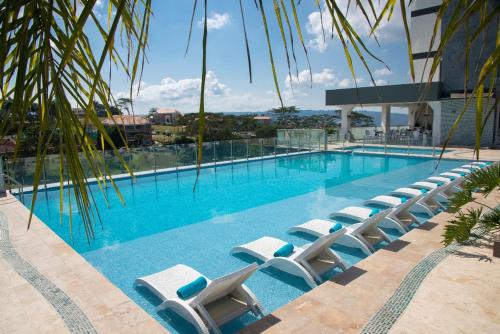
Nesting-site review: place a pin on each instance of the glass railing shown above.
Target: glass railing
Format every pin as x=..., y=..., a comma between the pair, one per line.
x=160, y=157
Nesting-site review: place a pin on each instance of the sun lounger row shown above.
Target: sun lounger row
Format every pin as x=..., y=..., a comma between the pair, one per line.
x=208, y=304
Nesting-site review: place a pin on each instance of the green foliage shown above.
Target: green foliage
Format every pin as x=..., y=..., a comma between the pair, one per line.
x=491, y=220
x=459, y=229
x=459, y=199
x=485, y=179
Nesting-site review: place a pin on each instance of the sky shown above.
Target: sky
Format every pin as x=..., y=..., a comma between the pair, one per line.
x=172, y=80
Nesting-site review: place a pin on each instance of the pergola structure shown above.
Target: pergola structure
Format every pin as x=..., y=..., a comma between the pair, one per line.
x=420, y=99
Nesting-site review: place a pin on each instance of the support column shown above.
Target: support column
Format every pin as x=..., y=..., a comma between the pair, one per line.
x=436, y=122
x=386, y=118
x=412, y=113
x=346, y=120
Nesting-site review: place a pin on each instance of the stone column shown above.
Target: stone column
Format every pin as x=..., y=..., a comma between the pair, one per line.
x=412, y=112
x=386, y=118
x=436, y=122
x=346, y=120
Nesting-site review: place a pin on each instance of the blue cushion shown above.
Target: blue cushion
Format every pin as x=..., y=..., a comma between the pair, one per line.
x=335, y=228
x=192, y=288
x=373, y=212
x=452, y=178
x=284, y=251
x=440, y=183
x=488, y=163
x=403, y=199
x=462, y=174
x=423, y=191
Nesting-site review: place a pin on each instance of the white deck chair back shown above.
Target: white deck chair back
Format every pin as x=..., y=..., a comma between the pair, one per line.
x=224, y=285
x=320, y=244
x=405, y=206
x=372, y=221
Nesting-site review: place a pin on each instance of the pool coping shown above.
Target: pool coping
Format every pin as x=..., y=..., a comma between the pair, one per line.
x=172, y=170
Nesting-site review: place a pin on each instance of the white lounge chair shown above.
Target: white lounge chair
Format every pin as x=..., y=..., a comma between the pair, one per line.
x=482, y=164
x=308, y=262
x=456, y=184
x=400, y=216
x=471, y=166
x=461, y=170
x=221, y=301
x=363, y=235
x=427, y=202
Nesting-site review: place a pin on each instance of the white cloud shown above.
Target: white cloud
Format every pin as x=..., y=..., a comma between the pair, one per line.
x=387, y=30
x=325, y=77
x=349, y=82
x=382, y=72
x=184, y=95
x=98, y=3
x=380, y=82
x=216, y=21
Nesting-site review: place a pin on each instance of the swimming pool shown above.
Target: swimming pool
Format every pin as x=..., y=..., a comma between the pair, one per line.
x=401, y=150
x=165, y=223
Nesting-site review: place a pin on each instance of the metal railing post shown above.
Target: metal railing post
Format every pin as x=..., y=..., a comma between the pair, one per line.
x=215, y=155
x=154, y=157
x=433, y=151
x=288, y=146
x=275, y=144
x=364, y=139
x=232, y=158
x=247, y=147
x=261, y=149
x=385, y=144
x=408, y=142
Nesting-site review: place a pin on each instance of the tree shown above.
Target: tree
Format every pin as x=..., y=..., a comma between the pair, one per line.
x=285, y=114
x=125, y=103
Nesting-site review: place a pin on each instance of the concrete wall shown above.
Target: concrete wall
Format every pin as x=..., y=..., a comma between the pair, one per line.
x=465, y=134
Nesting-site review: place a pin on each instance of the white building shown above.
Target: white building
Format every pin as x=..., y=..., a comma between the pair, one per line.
x=165, y=116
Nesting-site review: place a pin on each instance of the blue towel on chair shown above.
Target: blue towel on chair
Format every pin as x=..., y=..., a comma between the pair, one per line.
x=192, y=288
x=403, y=199
x=440, y=183
x=335, y=228
x=373, y=212
x=423, y=191
x=284, y=251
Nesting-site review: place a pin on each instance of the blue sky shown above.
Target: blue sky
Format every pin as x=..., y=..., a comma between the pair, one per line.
x=172, y=80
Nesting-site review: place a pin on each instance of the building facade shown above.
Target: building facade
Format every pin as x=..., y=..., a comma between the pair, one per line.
x=435, y=108
x=165, y=116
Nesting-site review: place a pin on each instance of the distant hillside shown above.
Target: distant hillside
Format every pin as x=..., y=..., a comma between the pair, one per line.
x=396, y=119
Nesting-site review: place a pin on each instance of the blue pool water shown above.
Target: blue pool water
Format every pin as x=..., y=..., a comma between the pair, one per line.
x=164, y=222
x=401, y=150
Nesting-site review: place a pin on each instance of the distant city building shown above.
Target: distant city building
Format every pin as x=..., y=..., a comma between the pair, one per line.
x=263, y=119
x=7, y=145
x=165, y=116
x=137, y=129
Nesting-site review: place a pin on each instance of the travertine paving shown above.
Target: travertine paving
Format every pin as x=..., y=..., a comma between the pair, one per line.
x=24, y=309
x=348, y=301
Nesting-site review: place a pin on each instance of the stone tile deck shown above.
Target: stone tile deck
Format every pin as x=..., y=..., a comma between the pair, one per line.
x=458, y=288
x=24, y=310
x=347, y=302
